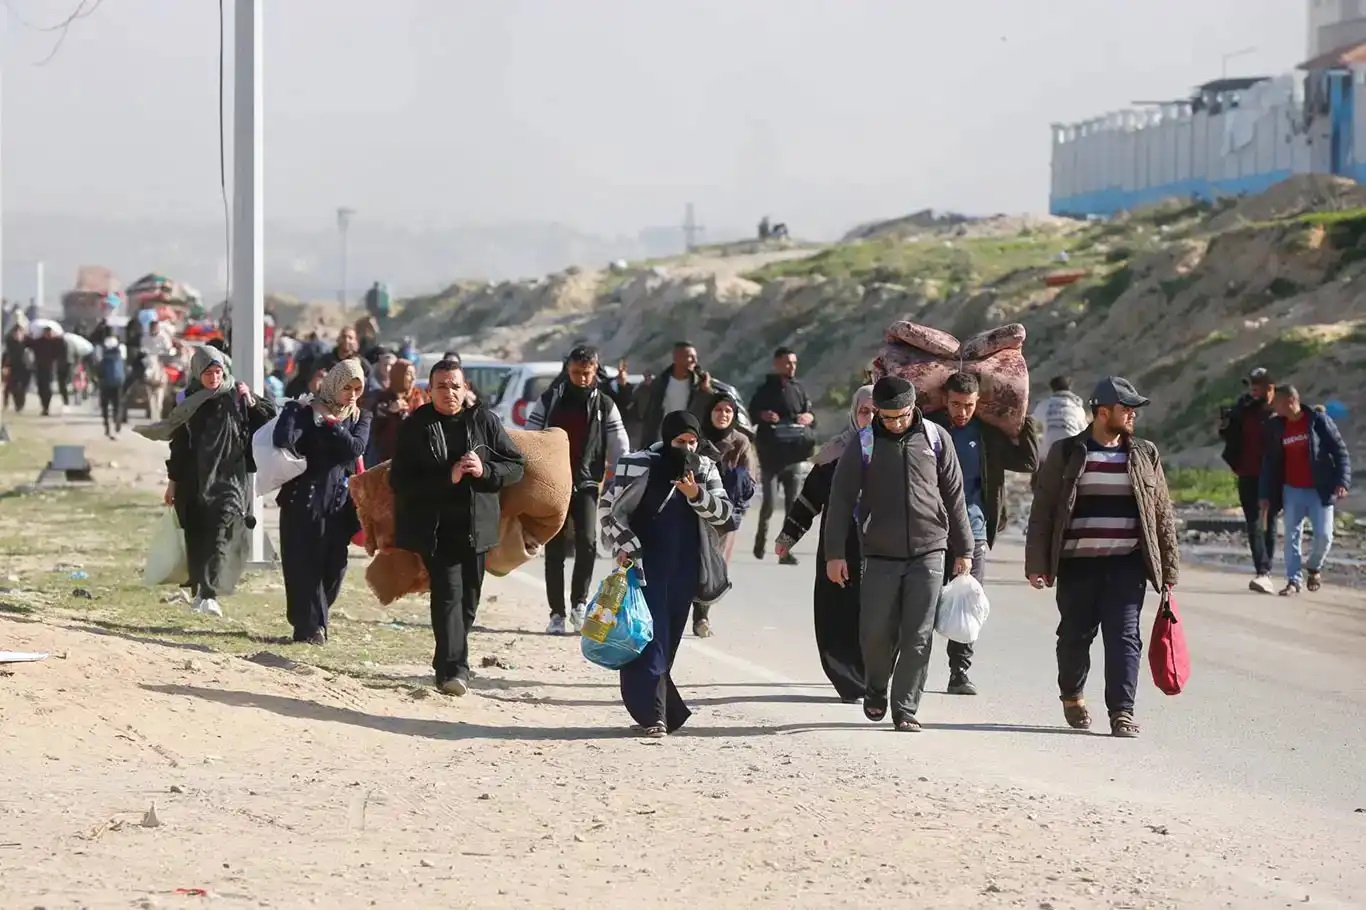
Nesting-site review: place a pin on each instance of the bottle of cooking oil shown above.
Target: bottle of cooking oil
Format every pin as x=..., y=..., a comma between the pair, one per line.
x=602, y=612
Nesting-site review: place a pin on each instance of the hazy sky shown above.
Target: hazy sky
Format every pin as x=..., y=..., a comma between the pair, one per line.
x=605, y=114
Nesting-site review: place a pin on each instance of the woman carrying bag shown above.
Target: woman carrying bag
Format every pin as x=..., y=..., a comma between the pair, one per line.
x=317, y=517
x=210, y=436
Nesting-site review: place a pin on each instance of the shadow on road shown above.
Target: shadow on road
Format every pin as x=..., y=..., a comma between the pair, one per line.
x=459, y=730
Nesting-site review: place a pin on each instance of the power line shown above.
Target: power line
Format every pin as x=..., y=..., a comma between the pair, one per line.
x=84, y=9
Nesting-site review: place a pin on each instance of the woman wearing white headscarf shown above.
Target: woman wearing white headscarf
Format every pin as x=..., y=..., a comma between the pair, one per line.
x=837, y=609
x=317, y=517
x=210, y=436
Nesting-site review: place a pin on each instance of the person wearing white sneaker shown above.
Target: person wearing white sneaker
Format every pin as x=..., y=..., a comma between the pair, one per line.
x=1245, y=429
x=210, y=435
x=597, y=440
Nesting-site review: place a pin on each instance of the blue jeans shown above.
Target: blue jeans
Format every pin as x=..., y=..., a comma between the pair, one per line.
x=1299, y=505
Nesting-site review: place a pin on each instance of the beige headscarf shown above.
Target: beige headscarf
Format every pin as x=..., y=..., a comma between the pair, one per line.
x=339, y=377
x=833, y=449
x=195, y=394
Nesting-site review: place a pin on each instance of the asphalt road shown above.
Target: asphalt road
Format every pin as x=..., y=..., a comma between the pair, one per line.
x=1272, y=716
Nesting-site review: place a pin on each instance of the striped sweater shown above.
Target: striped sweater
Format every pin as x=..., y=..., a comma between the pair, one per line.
x=1105, y=520
x=713, y=506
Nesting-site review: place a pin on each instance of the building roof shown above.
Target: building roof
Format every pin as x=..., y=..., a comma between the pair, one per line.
x=1232, y=85
x=1351, y=55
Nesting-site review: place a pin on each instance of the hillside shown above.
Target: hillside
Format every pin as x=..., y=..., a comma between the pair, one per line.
x=1183, y=299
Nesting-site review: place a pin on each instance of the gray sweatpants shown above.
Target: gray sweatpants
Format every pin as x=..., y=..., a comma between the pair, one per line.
x=896, y=627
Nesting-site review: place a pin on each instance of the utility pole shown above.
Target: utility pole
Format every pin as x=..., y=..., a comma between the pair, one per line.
x=343, y=227
x=248, y=273
x=691, y=229
x=4, y=431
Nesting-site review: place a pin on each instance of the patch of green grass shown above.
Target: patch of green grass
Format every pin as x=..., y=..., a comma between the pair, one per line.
x=1174, y=287
x=1190, y=485
x=104, y=535
x=959, y=263
x=1283, y=357
x=1103, y=296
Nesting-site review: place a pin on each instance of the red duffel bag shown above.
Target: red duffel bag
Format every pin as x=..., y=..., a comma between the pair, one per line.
x=1167, y=654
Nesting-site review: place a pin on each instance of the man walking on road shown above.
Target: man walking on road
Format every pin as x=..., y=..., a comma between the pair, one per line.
x=909, y=500
x=1245, y=431
x=1307, y=463
x=450, y=463
x=984, y=455
x=577, y=404
x=1061, y=415
x=785, y=437
x=676, y=389
x=1102, y=528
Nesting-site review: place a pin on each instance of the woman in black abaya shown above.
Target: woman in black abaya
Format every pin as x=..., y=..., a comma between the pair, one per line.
x=210, y=435
x=836, y=608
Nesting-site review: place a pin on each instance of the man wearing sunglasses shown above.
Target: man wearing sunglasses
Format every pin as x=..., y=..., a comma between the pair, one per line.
x=909, y=501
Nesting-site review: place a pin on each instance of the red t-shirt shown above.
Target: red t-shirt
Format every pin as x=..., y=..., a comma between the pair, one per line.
x=1251, y=462
x=1299, y=469
x=574, y=421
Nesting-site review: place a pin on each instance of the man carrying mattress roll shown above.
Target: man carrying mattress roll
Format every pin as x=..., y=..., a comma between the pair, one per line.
x=985, y=453
x=910, y=504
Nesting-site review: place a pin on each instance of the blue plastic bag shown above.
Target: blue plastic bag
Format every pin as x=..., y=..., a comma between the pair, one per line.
x=618, y=625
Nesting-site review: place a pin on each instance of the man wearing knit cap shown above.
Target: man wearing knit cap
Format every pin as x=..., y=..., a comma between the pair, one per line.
x=908, y=493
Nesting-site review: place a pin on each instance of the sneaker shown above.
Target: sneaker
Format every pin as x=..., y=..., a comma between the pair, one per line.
x=318, y=638
x=454, y=686
x=959, y=684
x=702, y=629
x=1262, y=585
x=556, y=626
x=788, y=560
x=208, y=606
x=576, y=616
x=1291, y=589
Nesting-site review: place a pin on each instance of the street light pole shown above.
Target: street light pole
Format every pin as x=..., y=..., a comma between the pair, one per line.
x=248, y=274
x=343, y=227
x=4, y=431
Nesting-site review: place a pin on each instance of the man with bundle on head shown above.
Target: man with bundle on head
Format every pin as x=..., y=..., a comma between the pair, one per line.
x=985, y=453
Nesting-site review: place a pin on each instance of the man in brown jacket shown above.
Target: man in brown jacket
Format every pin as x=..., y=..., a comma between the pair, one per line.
x=1102, y=527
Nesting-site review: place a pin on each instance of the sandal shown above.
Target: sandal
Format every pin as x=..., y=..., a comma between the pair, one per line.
x=908, y=725
x=1078, y=718
x=1122, y=725
x=875, y=709
x=654, y=731
x=1314, y=580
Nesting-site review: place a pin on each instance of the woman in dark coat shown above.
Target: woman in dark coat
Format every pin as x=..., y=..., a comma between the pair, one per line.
x=391, y=406
x=837, y=609
x=317, y=516
x=734, y=457
x=210, y=435
x=678, y=489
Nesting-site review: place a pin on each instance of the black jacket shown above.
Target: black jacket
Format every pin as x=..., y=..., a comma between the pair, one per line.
x=999, y=455
x=787, y=398
x=653, y=416
x=420, y=475
x=1244, y=409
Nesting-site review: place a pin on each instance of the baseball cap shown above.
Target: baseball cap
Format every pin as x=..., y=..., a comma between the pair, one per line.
x=1260, y=374
x=1113, y=390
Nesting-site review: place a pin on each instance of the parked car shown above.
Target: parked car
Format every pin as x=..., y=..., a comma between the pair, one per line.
x=486, y=374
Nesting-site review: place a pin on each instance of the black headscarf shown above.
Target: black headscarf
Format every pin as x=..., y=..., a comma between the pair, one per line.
x=675, y=424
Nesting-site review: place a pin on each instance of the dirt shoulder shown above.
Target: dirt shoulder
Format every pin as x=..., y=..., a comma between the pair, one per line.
x=300, y=777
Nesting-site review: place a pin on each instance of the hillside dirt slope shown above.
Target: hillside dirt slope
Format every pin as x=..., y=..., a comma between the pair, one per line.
x=1183, y=299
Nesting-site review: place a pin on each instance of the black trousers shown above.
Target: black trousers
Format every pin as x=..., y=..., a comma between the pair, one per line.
x=791, y=481
x=313, y=554
x=583, y=516
x=457, y=577
x=64, y=382
x=16, y=389
x=960, y=655
x=1261, y=542
x=1102, y=593
x=111, y=407
x=43, y=378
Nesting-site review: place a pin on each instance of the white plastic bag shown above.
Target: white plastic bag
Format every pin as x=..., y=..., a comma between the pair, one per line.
x=166, y=563
x=963, y=610
x=274, y=467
